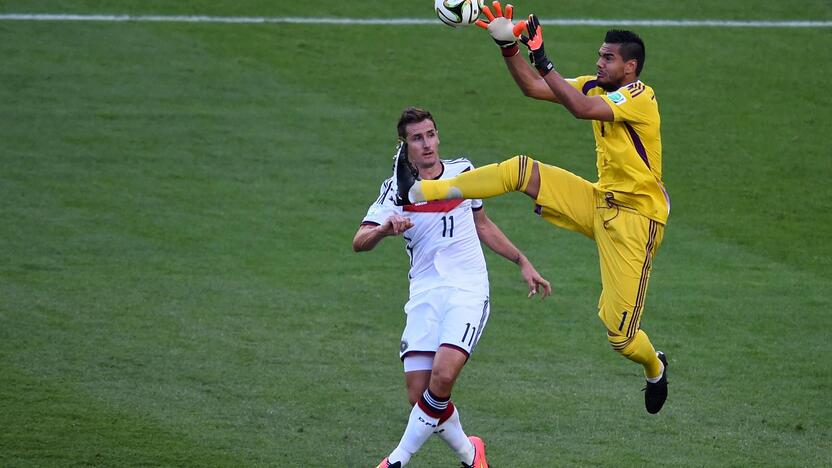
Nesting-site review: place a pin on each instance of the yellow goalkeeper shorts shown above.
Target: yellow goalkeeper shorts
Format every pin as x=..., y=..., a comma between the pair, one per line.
x=626, y=240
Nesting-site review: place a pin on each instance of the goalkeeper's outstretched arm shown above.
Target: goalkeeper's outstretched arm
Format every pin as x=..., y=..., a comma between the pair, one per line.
x=505, y=33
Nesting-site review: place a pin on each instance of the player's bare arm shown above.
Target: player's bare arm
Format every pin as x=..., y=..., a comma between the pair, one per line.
x=505, y=33
x=528, y=80
x=491, y=235
x=369, y=235
x=581, y=106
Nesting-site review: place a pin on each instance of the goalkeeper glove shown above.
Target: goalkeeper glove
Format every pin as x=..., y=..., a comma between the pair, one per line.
x=534, y=42
x=500, y=27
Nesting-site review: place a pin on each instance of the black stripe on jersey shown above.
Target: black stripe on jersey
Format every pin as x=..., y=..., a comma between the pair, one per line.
x=618, y=346
x=523, y=162
x=388, y=184
x=446, y=163
x=456, y=162
x=439, y=176
x=408, y=246
x=589, y=85
x=483, y=318
x=639, y=146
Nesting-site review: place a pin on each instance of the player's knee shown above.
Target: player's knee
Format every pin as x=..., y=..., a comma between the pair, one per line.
x=416, y=384
x=516, y=172
x=442, y=380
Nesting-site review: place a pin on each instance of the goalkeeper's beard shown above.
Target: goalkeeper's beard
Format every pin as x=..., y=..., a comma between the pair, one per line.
x=609, y=87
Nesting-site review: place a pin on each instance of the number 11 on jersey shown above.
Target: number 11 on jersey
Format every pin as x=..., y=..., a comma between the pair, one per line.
x=448, y=226
x=473, y=331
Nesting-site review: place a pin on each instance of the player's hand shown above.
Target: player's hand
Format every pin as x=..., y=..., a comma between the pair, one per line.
x=537, y=284
x=499, y=25
x=396, y=225
x=534, y=42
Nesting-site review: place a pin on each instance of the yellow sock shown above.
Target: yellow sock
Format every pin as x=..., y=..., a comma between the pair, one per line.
x=640, y=350
x=485, y=182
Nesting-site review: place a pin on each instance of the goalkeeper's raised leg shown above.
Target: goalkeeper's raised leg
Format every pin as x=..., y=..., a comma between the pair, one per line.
x=517, y=174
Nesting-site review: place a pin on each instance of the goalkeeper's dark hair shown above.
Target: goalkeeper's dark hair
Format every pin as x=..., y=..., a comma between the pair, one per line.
x=631, y=47
x=412, y=115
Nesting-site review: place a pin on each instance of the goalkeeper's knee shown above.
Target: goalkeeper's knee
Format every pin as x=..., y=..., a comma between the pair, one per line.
x=620, y=343
x=637, y=348
x=516, y=173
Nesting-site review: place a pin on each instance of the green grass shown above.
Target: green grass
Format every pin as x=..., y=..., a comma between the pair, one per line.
x=177, y=203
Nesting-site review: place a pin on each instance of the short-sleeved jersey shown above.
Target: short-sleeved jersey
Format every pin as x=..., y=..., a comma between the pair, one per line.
x=629, y=149
x=443, y=245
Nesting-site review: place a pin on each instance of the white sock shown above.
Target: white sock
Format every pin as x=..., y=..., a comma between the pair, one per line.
x=451, y=432
x=656, y=379
x=415, y=193
x=419, y=428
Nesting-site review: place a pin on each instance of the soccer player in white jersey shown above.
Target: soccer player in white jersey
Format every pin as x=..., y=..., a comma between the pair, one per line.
x=449, y=299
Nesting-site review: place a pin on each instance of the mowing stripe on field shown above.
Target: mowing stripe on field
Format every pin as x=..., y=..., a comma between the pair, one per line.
x=403, y=21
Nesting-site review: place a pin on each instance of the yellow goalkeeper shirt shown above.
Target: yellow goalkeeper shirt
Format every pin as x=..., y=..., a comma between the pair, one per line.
x=630, y=148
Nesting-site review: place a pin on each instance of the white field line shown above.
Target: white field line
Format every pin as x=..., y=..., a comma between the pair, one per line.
x=402, y=21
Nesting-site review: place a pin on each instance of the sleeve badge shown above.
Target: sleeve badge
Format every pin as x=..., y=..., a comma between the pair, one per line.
x=617, y=98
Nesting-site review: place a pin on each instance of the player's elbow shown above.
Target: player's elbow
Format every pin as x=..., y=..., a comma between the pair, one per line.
x=481, y=235
x=536, y=93
x=485, y=230
x=578, y=114
x=529, y=92
x=358, y=245
x=580, y=111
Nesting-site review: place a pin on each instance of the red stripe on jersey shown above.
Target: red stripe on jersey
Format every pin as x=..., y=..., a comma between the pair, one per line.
x=437, y=206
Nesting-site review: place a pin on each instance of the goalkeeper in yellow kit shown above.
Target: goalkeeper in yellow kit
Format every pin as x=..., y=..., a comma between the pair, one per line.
x=625, y=211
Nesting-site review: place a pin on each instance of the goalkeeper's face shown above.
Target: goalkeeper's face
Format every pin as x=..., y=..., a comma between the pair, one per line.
x=423, y=144
x=613, y=72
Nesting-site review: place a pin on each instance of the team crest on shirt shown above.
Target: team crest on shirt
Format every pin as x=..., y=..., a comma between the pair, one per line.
x=617, y=98
x=403, y=346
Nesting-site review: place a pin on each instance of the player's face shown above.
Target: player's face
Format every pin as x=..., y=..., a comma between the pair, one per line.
x=611, y=68
x=423, y=144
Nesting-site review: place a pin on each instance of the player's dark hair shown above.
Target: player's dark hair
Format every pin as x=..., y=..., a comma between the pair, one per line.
x=631, y=47
x=412, y=115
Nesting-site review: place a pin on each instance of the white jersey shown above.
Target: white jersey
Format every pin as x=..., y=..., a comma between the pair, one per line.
x=443, y=245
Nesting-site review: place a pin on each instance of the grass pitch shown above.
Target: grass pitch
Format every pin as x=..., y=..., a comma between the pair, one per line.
x=177, y=202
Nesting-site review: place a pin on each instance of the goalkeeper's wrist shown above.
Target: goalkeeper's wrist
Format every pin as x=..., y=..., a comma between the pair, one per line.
x=544, y=65
x=510, y=50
